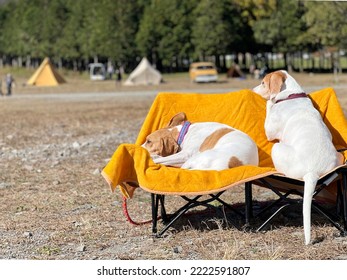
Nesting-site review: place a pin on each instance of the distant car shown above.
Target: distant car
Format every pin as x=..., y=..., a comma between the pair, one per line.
x=97, y=72
x=203, y=72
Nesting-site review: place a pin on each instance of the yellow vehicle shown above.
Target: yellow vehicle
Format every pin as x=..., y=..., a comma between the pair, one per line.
x=203, y=72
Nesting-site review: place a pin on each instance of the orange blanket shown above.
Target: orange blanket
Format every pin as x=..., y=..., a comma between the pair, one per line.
x=243, y=110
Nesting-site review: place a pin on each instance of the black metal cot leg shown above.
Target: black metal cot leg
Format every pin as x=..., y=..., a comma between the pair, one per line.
x=155, y=206
x=164, y=216
x=344, y=201
x=328, y=216
x=180, y=212
x=339, y=203
x=248, y=203
x=272, y=217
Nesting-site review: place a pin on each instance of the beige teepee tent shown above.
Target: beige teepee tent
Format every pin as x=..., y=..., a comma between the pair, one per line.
x=46, y=75
x=144, y=74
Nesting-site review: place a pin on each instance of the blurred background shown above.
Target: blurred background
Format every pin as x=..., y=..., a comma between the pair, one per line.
x=297, y=35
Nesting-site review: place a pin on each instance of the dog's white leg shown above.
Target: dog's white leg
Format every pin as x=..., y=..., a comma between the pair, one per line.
x=200, y=161
x=272, y=127
x=208, y=160
x=282, y=157
x=310, y=185
x=174, y=160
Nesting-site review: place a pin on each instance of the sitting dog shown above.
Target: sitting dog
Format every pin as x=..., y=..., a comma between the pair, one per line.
x=201, y=146
x=305, y=149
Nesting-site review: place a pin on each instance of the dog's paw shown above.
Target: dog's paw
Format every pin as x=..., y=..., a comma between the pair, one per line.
x=156, y=158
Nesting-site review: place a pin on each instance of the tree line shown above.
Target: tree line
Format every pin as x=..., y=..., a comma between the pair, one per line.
x=170, y=33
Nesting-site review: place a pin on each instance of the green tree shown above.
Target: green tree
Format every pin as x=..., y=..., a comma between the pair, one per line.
x=176, y=42
x=253, y=11
x=33, y=27
x=328, y=32
x=69, y=42
x=92, y=33
x=165, y=31
x=281, y=28
x=217, y=29
x=328, y=28
x=5, y=13
x=16, y=28
x=108, y=29
x=53, y=18
x=124, y=19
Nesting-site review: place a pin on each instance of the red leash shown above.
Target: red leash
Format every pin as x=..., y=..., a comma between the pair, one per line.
x=130, y=220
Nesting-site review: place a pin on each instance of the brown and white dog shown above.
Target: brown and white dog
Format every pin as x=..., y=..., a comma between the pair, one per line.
x=305, y=149
x=201, y=146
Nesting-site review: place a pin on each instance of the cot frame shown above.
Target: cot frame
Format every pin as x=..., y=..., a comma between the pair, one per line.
x=338, y=220
x=158, y=201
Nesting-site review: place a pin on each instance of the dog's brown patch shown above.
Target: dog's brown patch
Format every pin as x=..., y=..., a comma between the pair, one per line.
x=340, y=159
x=274, y=81
x=234, y=162
x=163, y=142
x=175, y=133
x=212, y=140
x=177, y=119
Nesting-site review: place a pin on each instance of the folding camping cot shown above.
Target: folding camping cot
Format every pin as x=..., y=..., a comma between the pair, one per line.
x=131, y=165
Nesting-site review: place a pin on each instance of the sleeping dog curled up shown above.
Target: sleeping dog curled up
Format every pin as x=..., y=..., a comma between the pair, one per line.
x=305, y=149
x=201, y=145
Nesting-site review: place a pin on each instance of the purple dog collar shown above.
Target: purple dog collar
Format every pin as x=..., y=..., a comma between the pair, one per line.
x=293, y=96
x=183, y=132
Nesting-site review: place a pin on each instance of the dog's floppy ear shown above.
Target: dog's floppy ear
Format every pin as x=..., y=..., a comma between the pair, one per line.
x=168, y=146
x=277, y=79
x=177, y=119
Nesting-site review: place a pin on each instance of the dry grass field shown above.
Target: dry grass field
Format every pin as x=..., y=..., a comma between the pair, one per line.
x=54, y=204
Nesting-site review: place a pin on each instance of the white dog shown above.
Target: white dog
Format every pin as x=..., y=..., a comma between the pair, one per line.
x=201, y=146
x=305, y=149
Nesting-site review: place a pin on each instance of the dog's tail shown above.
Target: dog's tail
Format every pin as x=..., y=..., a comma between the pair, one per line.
x=310, y=185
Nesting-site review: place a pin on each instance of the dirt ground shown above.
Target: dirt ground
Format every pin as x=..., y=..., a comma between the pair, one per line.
x=54, y=204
